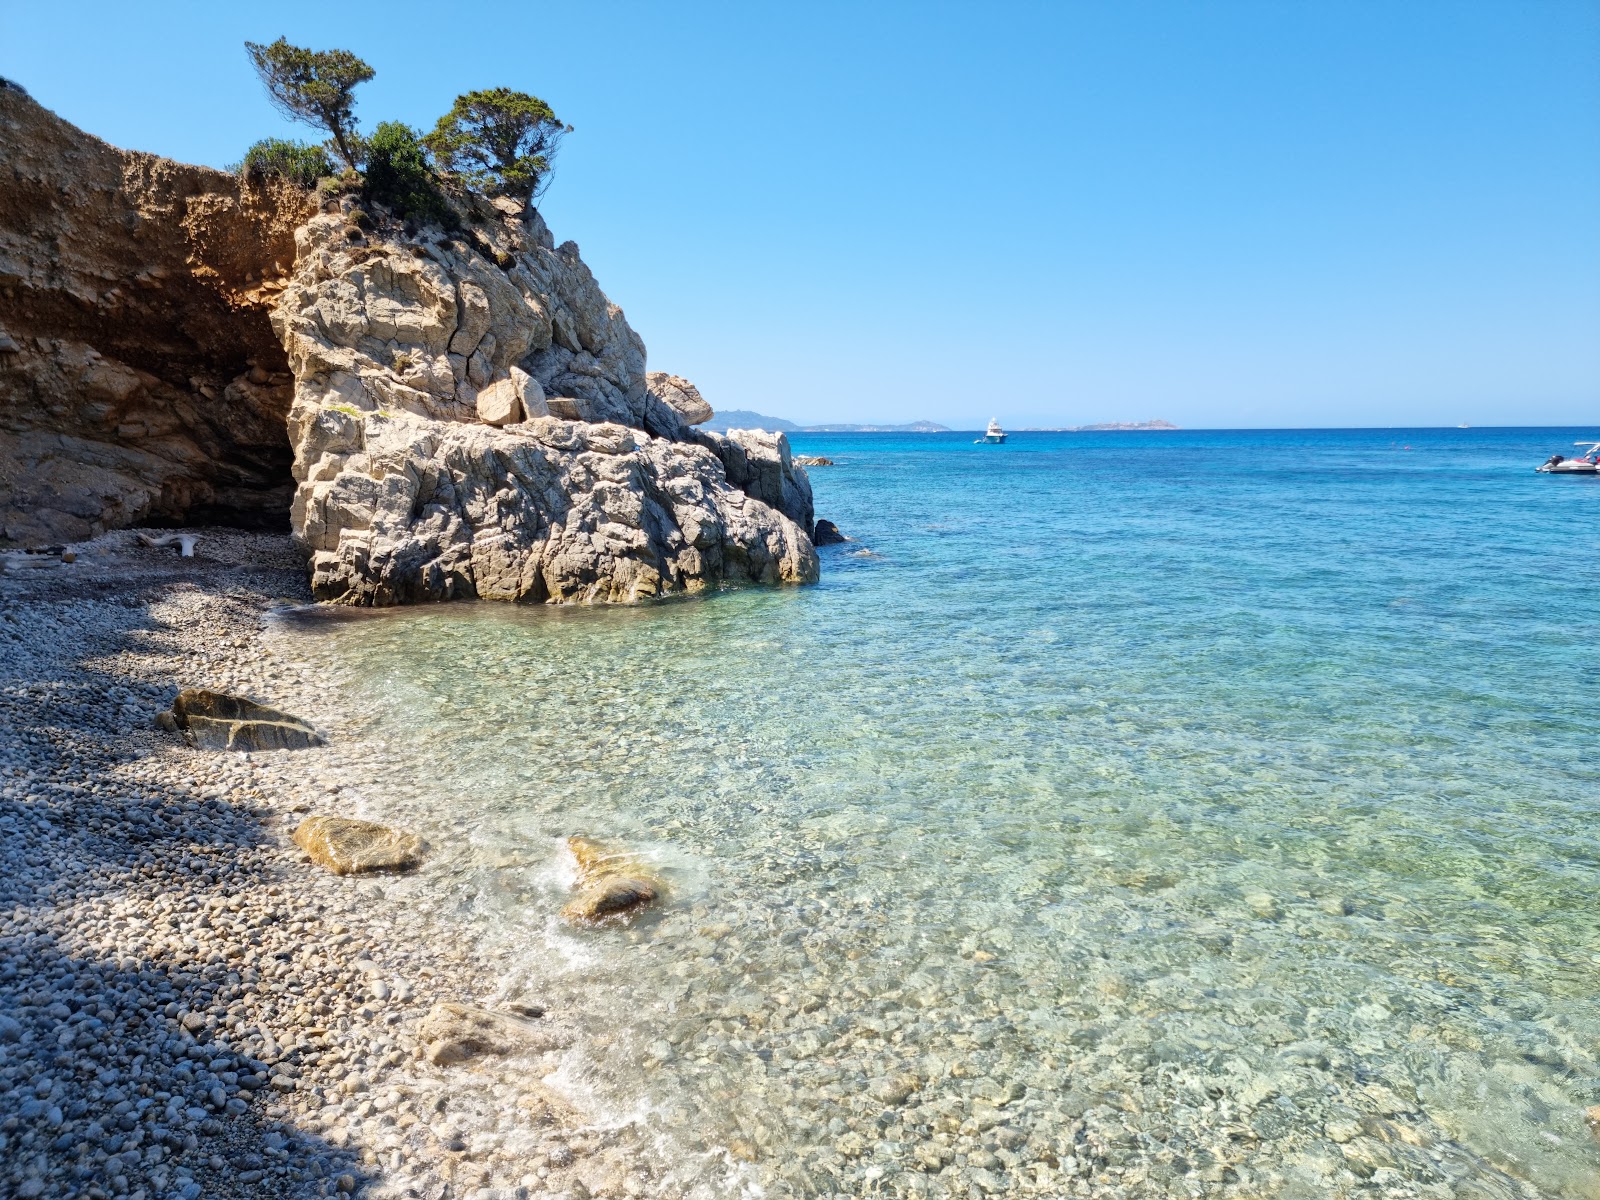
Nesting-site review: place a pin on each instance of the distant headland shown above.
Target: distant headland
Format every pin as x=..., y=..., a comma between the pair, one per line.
x=742, y=418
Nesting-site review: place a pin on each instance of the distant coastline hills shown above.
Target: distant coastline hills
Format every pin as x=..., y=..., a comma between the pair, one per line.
x=743, y=418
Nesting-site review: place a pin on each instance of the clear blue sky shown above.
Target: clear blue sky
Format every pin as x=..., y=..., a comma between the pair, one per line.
x=1225, y=214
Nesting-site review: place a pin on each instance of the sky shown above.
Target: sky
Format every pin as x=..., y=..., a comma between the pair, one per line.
x=1223, y=214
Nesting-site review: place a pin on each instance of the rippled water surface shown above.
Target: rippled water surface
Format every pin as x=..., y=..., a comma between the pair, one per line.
x=1160, y=813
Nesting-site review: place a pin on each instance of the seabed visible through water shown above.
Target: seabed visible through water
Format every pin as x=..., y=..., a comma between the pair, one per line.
x=1183, y=813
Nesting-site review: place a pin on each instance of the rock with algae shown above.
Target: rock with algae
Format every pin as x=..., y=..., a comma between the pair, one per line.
x=348, y=847
x=612, y=884
x=217, y=721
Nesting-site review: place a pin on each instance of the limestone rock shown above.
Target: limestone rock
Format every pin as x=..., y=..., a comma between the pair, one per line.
x=611, y=883
x=217, y=721
x=515, y=398
x=140, y=379
x=812, y=460
x=827, y=534
x=405, y=495
x=681, y=396
x=349, y=847
x=452, y=1033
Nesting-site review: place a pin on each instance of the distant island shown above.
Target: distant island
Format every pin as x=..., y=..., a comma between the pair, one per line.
x=1158, y=424
x=743, y=418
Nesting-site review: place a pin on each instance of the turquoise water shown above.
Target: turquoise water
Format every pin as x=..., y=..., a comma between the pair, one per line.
x=1194, y=813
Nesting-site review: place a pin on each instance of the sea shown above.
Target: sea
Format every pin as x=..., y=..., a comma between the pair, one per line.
x=1168, y=813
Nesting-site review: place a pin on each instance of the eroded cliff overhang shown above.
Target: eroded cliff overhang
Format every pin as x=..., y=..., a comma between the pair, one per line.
x=140, y=379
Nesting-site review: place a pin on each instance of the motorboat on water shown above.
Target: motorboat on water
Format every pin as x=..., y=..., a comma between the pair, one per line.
x=992, y=436
x=1585, y=464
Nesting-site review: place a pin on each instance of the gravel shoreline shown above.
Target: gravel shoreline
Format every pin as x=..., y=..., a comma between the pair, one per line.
x=188, y=1007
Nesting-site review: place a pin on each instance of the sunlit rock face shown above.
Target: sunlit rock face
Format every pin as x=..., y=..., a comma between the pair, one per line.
x=140, y=379
x=472, y=417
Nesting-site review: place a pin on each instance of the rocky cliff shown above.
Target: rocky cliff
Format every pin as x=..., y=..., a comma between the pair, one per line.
x=465, y=411
x=472, y=417
x=140, y=380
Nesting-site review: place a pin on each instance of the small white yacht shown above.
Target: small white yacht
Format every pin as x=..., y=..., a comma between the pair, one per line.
x=992, y=436
x=1584, y=464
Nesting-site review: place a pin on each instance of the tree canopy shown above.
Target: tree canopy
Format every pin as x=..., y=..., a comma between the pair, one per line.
x=498, y=141
x=315, y=87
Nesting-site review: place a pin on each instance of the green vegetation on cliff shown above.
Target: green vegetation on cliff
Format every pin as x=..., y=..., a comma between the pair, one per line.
x=314, y=87
x=498, y=141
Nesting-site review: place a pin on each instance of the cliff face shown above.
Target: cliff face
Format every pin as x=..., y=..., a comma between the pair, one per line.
x=472, y=417
x=140, y=380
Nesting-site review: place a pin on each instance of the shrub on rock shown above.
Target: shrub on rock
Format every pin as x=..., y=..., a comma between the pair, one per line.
x=280, y=158
x=398, y=176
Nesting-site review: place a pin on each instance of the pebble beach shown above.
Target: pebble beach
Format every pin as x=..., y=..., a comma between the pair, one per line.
x=188, y=1007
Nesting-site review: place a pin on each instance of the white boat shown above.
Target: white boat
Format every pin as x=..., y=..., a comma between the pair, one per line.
x=1585, y=464
x=992, y=436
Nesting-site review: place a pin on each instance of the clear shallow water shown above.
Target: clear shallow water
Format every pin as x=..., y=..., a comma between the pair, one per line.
x=1186, y=813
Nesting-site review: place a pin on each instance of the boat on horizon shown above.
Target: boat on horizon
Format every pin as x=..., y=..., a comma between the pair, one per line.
x=1585, y=464
x=992, y=436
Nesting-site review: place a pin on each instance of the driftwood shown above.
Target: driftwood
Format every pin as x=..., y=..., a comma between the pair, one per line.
x=184, y=541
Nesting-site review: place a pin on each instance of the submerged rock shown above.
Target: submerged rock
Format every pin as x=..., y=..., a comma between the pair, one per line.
x=453, y=1033
x=217, y=721
x=611, y=883
x=812, y=460
x=827, y=534
x=348, y=847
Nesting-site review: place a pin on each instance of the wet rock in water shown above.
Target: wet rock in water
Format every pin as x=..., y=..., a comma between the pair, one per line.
x=1591, y=1118
x=612, y=884
x=812, y=460
x=453, y=1033
x=827, y=534
x=347, y=847
x=217, y=721
x=1264, y=905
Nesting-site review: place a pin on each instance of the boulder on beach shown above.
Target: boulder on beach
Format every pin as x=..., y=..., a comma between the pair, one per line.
x=453, y=1033
x=217, y=721
x=612, y=883
x=348, y=847
x=827, y=534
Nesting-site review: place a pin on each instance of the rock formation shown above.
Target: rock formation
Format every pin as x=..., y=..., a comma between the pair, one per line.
x=457, y=413
x=472, y=417
x=350, y=847
x=140, y=381
x=611, y=884
x=217, y=721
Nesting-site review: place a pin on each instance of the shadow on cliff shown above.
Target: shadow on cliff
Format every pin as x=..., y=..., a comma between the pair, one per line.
x=111, y=1093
